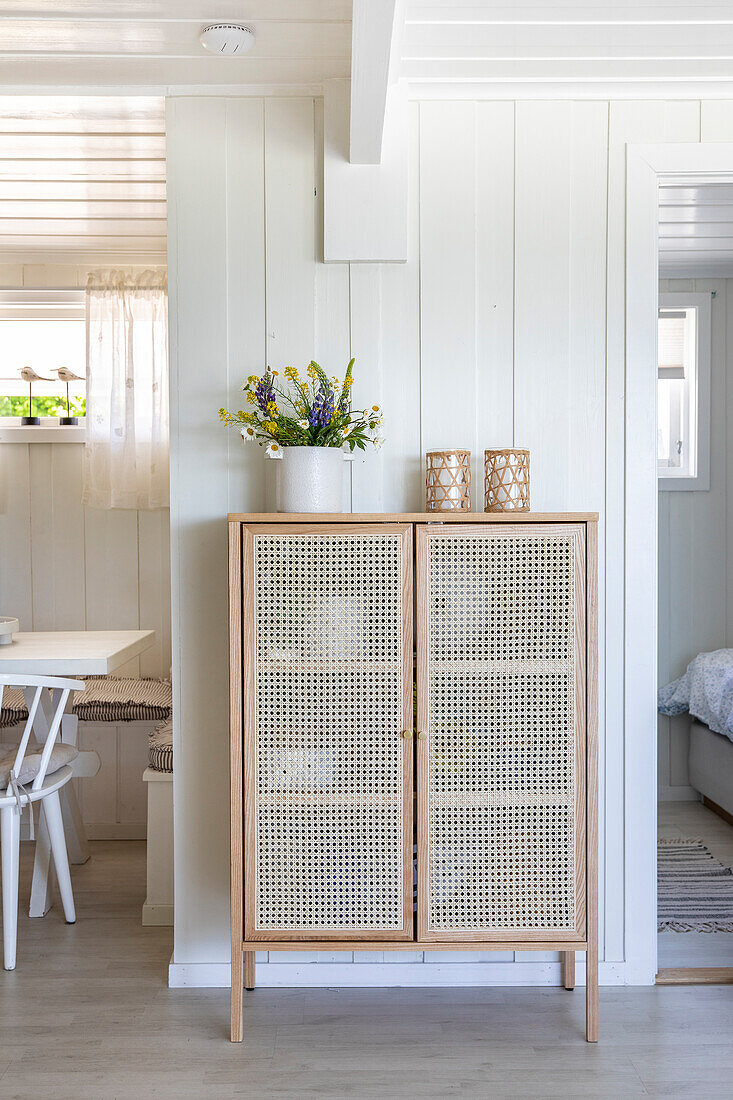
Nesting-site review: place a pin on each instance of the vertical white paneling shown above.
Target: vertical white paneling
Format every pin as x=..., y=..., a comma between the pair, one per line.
x=111, y=552
x=132, y=760
x=290, y=219
x=245, y=275
x=448, y=277
x=385, y=334
x=16, y=587
x=637, y=122
x=199, y=304
x=57, y=537
x=98, y=795
x=542, y=288
x=154, y=598
x=290, y=228
x=494, y=296
x=332, y=340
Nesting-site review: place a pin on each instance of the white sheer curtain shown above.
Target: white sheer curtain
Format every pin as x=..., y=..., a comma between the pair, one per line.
x=126, y=453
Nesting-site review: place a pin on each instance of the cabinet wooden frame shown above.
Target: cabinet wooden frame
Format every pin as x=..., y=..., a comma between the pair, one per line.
x=585, y=936
x=249, y=730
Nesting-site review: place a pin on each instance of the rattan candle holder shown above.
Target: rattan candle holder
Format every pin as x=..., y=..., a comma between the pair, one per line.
x=448, y=481
x=506, y=480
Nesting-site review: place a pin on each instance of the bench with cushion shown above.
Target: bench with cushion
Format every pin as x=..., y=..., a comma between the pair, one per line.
x=105, y=699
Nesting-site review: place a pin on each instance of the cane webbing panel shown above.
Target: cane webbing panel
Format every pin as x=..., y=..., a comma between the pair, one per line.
x=329, y=714
x=501, y=707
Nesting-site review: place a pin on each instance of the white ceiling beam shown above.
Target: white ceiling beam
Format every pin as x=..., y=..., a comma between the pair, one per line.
x=376, y=35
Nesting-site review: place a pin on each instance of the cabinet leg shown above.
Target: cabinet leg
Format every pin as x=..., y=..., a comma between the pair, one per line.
x=568, y=969
x=591, y=996
x=249, y=970
x=237, y=1028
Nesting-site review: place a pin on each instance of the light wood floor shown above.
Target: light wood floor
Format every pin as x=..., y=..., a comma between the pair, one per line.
x=87, y=1016
x=696, y=949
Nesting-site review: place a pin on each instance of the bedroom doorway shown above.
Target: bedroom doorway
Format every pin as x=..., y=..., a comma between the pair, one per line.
x=695, y=556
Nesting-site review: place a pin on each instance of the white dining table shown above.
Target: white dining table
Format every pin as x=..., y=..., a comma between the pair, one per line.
x=67, y=653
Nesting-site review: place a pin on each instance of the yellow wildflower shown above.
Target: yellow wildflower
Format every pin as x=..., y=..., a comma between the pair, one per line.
x=253, y=378
x=291, y=374
x=272, y=408
x=251, y=399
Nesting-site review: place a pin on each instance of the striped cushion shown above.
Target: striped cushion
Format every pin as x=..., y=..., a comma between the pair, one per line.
x=106, y=699
x=118, y=699
x=14, y=709
x=160, y=750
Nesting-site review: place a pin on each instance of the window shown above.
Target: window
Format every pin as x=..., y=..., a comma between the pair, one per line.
x=683, y=391
x=43, y=330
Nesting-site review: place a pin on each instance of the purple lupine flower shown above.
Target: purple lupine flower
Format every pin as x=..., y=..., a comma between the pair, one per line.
x=322, y=408
x=264, y=392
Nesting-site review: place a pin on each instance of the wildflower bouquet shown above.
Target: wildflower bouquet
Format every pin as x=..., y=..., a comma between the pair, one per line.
x=312, y=412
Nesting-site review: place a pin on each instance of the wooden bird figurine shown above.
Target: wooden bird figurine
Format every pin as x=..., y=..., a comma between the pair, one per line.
x=66, y=375
x=29, y=375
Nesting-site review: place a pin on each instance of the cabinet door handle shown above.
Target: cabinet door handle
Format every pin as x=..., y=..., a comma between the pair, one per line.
x=407, y=734
x=422, y=736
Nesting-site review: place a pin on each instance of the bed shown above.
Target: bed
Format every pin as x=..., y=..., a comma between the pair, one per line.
x=711, y=766
x=705, y=691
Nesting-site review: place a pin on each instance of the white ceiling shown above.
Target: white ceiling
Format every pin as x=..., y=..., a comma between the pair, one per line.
x=448, y=48
x=589, y=44
x=696, y=230
x=82, y=179
x=155, y=43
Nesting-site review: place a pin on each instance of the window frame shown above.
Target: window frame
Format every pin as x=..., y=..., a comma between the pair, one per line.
x=42, y=304
x=701, y=302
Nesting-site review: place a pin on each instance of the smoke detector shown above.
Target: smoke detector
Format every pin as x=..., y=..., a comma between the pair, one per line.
x=227, y=38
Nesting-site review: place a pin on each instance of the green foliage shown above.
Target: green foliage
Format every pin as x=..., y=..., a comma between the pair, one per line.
x=42, y=406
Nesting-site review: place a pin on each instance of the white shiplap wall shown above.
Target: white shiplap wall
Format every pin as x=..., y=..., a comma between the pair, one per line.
x=695, y=555
x=505, y=325
x=66, y=567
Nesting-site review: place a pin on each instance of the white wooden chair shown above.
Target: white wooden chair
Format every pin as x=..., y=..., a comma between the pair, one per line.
x=35, y=773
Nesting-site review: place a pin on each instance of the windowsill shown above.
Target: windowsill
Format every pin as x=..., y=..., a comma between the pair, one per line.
x=42, y=433
x=669, y=484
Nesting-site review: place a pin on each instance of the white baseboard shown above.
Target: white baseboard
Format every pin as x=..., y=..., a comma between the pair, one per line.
x=157, y=915
x=344, y=975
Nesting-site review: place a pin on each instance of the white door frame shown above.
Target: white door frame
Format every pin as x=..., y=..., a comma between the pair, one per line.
x=646, y=166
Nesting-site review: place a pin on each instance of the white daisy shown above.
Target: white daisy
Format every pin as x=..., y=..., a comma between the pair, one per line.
x=303, y=424
x=273, y=447
x=248, y=433
x=378, y=443
x=347, y=430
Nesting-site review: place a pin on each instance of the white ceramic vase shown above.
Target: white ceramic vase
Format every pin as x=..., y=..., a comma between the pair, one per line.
x=310, y=479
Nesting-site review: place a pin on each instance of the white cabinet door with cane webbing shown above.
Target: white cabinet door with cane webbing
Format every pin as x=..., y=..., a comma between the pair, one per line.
x=327, y=659
x=502, y=743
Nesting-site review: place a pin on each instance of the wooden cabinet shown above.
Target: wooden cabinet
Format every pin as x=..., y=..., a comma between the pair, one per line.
x=336, y=783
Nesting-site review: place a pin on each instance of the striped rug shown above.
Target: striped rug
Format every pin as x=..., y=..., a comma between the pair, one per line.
x=695, y=891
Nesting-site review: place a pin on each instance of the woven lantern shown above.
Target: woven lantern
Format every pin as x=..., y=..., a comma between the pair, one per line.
x=506, y=480
x=448, y=481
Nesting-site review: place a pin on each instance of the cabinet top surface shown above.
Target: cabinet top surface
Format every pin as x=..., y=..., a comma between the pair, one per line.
x=413, y=517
